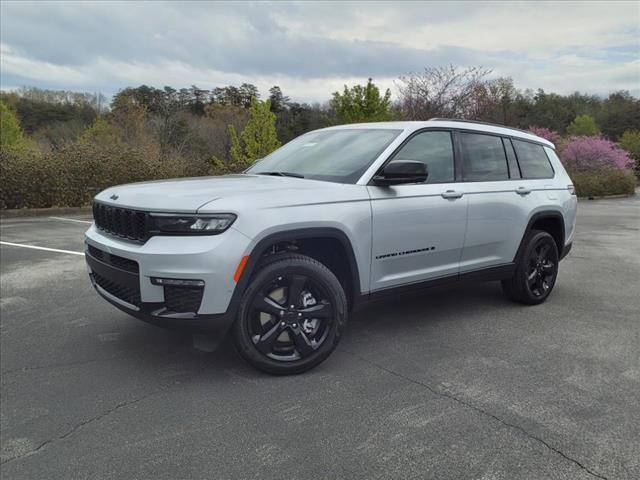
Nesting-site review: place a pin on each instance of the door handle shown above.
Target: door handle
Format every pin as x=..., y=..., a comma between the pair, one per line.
x=523, y=191
x=452, y=194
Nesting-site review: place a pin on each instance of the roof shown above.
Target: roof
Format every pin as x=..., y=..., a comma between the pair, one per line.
x=452, y=123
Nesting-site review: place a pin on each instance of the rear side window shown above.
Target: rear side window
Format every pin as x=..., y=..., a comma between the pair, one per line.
x=435, y=149
x=532, y=159
x=483, y=158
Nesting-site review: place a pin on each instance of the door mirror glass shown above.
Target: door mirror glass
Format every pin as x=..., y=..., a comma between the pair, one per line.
x=398, y=172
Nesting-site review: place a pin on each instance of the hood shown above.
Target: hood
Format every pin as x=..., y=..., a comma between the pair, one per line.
x=187, y=195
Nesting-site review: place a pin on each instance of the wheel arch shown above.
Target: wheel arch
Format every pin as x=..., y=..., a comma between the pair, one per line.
x=307, y=241
x=550, y=221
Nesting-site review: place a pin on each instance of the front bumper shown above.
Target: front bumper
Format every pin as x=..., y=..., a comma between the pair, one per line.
x=121, y=272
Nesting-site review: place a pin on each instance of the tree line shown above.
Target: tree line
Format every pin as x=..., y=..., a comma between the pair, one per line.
x=178, y=117
x=199, y=131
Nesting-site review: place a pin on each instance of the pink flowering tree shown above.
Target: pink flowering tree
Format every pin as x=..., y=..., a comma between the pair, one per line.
x=594, y=153
x=547, y=134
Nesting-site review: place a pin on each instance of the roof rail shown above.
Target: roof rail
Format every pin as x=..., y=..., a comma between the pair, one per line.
x=462, y=120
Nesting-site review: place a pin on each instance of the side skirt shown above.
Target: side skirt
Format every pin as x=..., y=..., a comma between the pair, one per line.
x=483, y=275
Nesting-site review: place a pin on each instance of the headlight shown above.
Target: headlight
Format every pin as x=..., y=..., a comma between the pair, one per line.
x=192, y=224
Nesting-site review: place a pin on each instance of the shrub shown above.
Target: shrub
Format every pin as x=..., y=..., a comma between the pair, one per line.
x=599, y=183
x=26, y=182
x=630, y=141
x=72, y=175
x=594, y=153
x=547, y=134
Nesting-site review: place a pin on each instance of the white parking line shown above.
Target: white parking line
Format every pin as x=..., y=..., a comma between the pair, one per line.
x=41, y=248
x=70, y=220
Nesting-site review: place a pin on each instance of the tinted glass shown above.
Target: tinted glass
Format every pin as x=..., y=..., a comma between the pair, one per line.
x=514, y=170
x=340, y=155
x=483, y=158
x=533, y=161
x=435, y=149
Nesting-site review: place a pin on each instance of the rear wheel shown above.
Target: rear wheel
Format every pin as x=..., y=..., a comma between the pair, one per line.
x=291, y=315
x=536, y=272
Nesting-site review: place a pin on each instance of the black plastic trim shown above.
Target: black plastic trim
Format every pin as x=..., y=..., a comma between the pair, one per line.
x=488, y=274
x=215, y=324
x=290, y=235
x=121, y=276
x=534, y=218
x=566, y=250
x=156, y=312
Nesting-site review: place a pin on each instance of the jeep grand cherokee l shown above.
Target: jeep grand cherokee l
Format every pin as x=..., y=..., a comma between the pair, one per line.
x=283, y=252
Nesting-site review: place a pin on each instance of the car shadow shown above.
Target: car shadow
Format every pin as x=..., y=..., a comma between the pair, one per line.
x=150, y=346
x=428, y=305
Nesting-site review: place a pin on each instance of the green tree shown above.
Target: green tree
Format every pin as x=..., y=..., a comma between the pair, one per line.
x=278, y=100
x=362, y=103
x=100, y=132
x=630, y=141
x=583, y=125
x=620, y=112
x=10, y=132
x=258, y=139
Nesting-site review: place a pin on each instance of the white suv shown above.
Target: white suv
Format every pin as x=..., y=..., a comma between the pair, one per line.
x=283, y=252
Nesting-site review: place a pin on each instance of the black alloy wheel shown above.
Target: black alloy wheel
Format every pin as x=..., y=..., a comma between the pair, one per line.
x=542, y=270
x=291, y=315
x=536, y=270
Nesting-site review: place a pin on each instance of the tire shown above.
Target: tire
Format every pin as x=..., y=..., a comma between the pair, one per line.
x=536, y=270
x=275, y=329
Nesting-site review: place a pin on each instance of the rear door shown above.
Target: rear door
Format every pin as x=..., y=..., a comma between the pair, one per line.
x=500, y=199
x=418, y=229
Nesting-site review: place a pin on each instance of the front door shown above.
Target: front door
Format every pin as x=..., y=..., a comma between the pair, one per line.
x=419, y=229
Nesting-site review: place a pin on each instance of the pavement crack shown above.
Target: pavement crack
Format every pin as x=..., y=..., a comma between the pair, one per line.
x=480, y=410
x=84, y=423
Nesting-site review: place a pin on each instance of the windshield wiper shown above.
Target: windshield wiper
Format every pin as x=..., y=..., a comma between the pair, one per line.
x=282, y=174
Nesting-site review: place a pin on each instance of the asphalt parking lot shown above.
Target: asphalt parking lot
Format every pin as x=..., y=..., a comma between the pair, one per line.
x=455, y=384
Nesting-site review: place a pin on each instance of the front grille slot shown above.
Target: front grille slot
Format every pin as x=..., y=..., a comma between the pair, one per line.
x=122, y=222
x=128, y=294
x=183, y=299
x=114, y=260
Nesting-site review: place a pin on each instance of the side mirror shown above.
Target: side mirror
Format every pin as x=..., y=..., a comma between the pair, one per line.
x=398, y=172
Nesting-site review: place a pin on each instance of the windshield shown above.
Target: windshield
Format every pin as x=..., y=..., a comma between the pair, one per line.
x=332, y=155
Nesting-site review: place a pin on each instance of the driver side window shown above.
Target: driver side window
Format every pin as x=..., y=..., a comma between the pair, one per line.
x=435, y=150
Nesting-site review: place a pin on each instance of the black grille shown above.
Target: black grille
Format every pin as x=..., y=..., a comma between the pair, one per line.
x=95, y=253
x=183, y=299
x=123, y=222
x=128, y=294
x=114, y=260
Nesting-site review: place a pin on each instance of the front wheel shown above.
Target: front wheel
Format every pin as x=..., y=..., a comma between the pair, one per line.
x=291, y=316
x=536, y=270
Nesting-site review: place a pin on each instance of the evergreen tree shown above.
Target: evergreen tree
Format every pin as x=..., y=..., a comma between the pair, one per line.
x=258, y=139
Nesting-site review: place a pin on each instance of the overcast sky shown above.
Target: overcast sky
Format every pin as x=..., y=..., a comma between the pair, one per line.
x=312, y=49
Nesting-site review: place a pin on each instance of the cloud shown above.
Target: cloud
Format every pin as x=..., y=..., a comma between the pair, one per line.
x=311, y=49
